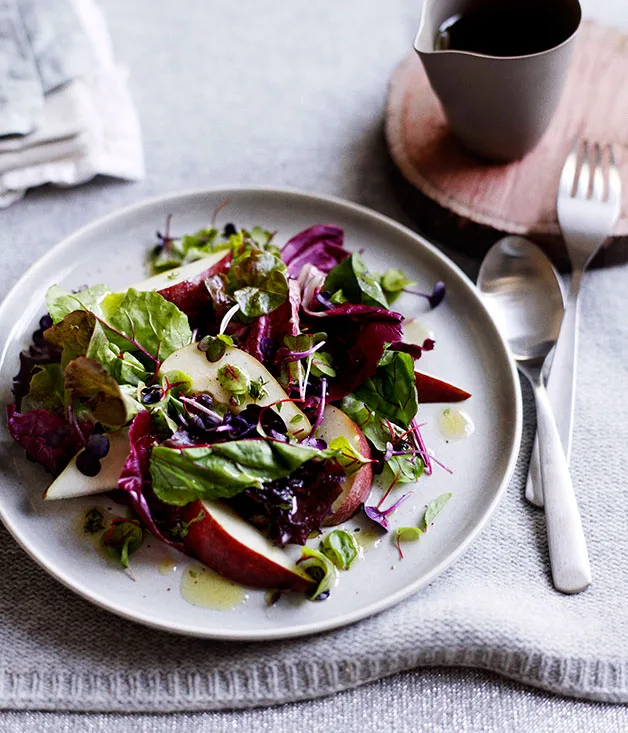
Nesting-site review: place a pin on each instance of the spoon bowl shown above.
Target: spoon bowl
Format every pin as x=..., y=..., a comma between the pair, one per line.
x=525, y=298
x=522, y=291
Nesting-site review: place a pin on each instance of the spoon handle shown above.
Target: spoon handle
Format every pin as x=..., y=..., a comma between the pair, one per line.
x=561, y=389
x=571, y=571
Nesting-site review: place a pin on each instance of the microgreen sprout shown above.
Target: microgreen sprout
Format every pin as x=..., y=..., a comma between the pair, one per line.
x=435, y=297
x=227, y=317
x=380, y=516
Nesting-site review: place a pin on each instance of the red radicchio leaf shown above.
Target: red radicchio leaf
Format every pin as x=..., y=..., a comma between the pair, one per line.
x=414, y=350
x=256, y=338
x=47, y=438
x=135, y=477
x=320, y=245
x=357, y=336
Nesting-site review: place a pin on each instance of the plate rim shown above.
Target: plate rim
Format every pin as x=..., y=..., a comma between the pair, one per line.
x=341, y=620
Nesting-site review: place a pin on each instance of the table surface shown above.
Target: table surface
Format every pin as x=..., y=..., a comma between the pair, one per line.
x=292, y=95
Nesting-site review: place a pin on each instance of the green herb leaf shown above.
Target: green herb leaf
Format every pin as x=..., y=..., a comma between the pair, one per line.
x=434, y=509
x=182, y=528
x=403, y=468
x=214, y=348
x=322, y=364
x=94, y=521
x=394, y=282
x=341, y=547
x=347, y=455
x=60, y=303
x=122, y=539
x=257, y=390
x=189, y=248
x=181, y=475
x=391, y=391
x=409, y=534
x=352, y=277
x=176, y=382
x=234, y=379
x=90, y=382
x=258, y=282
x=321, y=569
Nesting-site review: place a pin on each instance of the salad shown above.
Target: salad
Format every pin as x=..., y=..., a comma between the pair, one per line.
x=239, y=400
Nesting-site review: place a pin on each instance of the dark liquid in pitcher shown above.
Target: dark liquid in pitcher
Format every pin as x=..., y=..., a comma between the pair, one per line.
x=502, y=32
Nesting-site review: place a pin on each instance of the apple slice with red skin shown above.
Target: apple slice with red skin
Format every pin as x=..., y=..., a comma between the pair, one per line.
x=432, y=389
x=357, y=487
x=185, y=286
x=229, y=545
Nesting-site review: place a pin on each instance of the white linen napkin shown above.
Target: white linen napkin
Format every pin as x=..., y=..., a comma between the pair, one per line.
x=72, y=99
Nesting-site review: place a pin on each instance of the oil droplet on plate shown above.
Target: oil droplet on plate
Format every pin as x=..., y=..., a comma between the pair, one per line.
x=455, y=423
x=369, y=539
x=415, y=332
x=201, y=586
x=167, y=565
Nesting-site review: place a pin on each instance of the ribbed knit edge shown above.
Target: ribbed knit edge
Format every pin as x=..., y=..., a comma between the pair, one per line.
x=279, y=682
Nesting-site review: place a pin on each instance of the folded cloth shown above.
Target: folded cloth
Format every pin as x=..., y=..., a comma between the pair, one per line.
x=21, y=93
x=87, y=124
x=494, y=609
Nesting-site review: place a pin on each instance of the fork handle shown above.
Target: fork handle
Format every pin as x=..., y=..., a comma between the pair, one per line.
x=571, y=571
x=561, y=389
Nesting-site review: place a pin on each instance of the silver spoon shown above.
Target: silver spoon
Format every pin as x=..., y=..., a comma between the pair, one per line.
x=522, y=292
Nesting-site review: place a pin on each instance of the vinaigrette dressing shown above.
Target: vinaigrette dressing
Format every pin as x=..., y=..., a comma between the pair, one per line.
x=167, y=565
x=455, y=423
x=201, y=586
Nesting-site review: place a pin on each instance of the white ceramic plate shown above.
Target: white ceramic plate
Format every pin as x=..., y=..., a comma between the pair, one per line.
x=469, y=352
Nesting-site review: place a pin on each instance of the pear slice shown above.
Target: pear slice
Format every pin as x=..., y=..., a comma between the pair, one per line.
x=71, y=483
x=185, y=286
x=171, y=278
x=204, y=376
x=357, y=487
x=228, y=544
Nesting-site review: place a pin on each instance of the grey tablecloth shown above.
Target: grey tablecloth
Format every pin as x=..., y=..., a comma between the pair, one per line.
x=265, y=92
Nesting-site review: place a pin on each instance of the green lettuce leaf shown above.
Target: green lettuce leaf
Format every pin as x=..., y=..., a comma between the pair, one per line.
x=122, y=365
x=47, y=390
x=72, y=334
x=91, y=383
x=391, y=391
x=181, y=475
x=60, y=303
x=147, y=320
x=356, y=284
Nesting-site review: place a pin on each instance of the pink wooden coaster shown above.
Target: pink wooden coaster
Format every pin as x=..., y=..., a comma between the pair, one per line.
x=466, y=203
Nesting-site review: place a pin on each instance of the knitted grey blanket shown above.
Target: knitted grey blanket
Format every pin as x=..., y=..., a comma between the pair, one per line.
x=494, y=609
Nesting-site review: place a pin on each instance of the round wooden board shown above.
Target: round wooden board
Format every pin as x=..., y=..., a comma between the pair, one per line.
x=468, y=204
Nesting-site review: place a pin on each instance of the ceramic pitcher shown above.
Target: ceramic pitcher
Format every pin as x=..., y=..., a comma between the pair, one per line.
x=497, y=106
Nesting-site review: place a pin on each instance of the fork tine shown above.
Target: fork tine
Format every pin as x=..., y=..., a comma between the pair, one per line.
x=584, y=177
x=597, y=193
x=614, y=180
x=568, y=175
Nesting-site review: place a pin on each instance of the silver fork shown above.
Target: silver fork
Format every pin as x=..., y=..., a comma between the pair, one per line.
x=588, y=206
